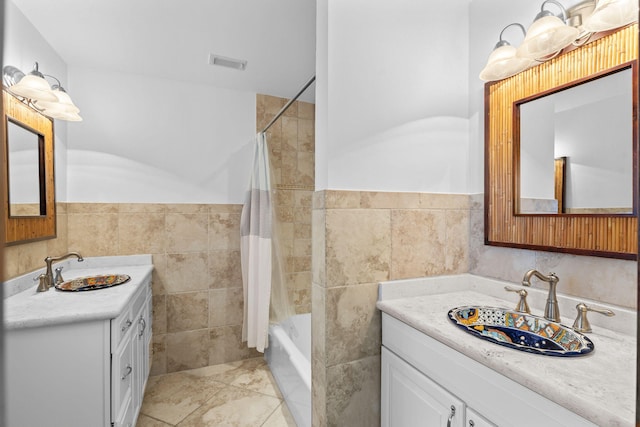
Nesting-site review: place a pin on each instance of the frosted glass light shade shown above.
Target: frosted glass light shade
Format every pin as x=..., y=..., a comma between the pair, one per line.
x=63, y=108
x=34, y=88
x=610, y=14
x=503, y=63
x=59, y=112
x=546, y=36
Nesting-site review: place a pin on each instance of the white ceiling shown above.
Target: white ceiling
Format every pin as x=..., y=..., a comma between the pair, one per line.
x=173, y=38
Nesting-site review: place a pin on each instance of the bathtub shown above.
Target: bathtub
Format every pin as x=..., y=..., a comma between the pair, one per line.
x=288, y=357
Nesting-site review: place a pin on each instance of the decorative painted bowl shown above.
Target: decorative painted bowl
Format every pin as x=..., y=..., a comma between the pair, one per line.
x=521, y=331
x=92, y=283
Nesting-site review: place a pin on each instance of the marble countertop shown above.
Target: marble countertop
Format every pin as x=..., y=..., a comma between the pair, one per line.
x=600, y=387
x=26, y=308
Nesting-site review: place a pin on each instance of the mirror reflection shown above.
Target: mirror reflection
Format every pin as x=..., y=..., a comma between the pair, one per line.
x=576, y=149
x=25, y=174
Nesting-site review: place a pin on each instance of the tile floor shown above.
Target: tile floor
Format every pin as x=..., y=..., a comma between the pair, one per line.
x=235, y=394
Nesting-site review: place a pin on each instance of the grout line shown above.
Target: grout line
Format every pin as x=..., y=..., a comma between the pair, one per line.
x=272, y=412
x=203, y=404
x=153, y=418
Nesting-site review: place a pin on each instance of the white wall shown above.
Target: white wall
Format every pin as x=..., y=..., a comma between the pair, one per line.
x=142, y=140
x=322, y=95
x=146, y=140
x=391, y=98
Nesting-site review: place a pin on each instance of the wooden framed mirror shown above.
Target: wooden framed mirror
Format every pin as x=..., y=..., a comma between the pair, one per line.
x=600, y=230
x=29, y=196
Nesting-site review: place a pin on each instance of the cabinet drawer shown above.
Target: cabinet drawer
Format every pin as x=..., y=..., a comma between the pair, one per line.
x=120, y=326
x=122, y=374
x=128, y=318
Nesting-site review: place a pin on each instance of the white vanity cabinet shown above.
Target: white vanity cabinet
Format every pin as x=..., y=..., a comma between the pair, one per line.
x=422, y=379
x=85, y=373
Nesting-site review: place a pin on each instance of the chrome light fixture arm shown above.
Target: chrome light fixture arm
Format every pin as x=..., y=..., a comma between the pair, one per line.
x=503, y=42
x=543, y=12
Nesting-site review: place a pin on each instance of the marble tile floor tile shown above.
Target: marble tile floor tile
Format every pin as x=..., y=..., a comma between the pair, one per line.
x=235, y=394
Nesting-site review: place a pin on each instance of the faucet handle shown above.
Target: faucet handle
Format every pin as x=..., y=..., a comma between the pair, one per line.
x=581, y=323
x=58, y=278
x=522, y=306
x=42, y=283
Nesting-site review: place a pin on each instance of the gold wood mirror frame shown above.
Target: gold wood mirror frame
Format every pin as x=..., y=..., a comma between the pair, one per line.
x=614, y=236
x=20, y=229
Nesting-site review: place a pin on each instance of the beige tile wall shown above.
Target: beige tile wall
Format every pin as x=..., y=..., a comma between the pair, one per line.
x=359, y=239
x=291, y=141
x=197, y=282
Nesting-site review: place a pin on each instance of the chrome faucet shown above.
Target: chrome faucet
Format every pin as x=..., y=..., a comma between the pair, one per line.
x=551, y=310
x=48, y=279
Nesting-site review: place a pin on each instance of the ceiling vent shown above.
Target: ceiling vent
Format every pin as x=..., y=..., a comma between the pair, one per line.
x=237, y=64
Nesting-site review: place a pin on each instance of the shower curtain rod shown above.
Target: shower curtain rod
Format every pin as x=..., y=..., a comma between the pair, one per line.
x=288, y=104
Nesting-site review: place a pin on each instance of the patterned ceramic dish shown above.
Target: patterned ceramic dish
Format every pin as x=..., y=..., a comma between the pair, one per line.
x=92, y=283
x=521, y=331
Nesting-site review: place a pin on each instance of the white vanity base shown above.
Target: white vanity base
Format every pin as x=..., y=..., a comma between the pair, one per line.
x=506, y=387
x=79, y=359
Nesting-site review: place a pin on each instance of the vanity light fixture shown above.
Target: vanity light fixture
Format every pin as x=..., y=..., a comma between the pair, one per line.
x=503, y=62
x=30, y=86
x=610, y=14
x=33, y=89
x=548, y=34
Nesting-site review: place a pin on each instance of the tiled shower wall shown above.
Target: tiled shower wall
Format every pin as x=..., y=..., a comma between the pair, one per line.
x=291, y=141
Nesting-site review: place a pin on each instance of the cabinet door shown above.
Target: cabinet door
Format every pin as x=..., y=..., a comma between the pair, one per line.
x=123, y=377
x=473, y=419
x=140, y=350
x=57, y=375
x=411, y=399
